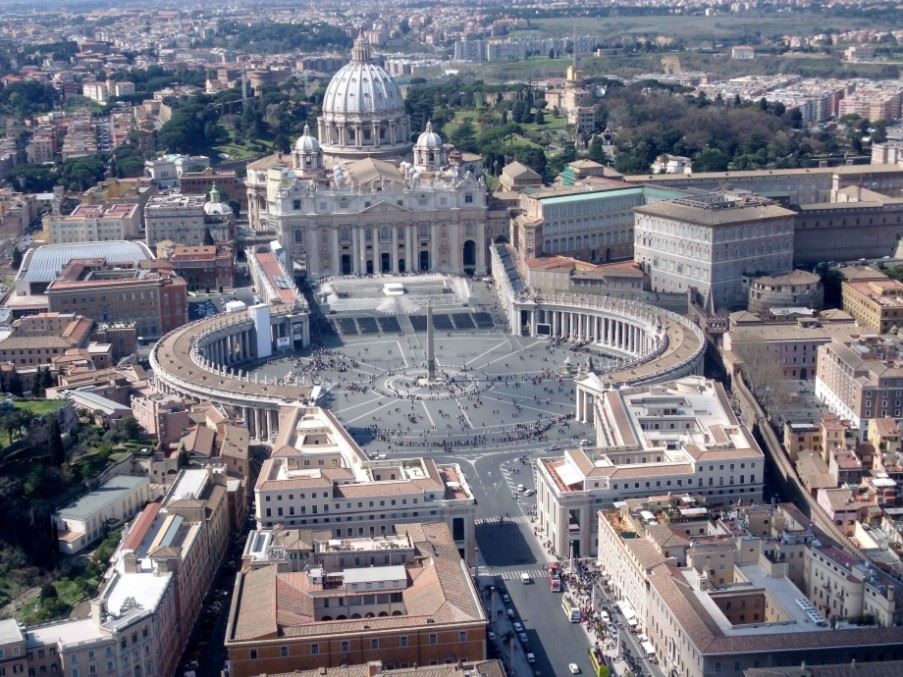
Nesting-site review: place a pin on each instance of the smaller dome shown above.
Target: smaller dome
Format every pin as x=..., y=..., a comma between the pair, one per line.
x=215, y=206
x=217, y=209
x=429, y=138
x=307, y=143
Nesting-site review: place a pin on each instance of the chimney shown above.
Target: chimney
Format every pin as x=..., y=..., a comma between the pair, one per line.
x=98, y=610
x=129, y=562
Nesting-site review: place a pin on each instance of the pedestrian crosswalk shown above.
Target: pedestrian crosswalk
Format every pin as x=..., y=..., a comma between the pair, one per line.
x=517, y=519
x=538, y=575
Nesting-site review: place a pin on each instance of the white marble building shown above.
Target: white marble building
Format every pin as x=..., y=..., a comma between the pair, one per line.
x=358, y=201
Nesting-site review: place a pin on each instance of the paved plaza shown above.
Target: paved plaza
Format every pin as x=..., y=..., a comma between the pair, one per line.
x=492, y=389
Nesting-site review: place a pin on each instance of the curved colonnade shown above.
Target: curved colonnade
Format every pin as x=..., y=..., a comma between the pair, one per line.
x=202, y=361
x=656, y=344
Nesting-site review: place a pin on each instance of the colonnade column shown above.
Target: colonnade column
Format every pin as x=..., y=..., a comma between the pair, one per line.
x=336, y=264
x=272, y=421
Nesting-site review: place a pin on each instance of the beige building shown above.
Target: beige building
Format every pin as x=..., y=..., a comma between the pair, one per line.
x=875, y=301
x=179, y=218
x=403, y=597
x=90, y=517
x=861, y=379
x=318, y=475
x=680, y=436
x=787, y=341
x=154, y=299
x=591, y=220
x=722, y=596
x=141, y=619
x=94, y=223
x=39, y=339
x=13, y=659
x=710, y=242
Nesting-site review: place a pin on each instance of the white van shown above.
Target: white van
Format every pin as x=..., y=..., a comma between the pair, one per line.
x=525, y=578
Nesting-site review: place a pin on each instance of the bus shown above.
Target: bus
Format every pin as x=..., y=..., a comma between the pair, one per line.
x=553, y=570
x=571, y=609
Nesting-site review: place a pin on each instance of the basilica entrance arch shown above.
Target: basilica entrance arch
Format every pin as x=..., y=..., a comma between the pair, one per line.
x=470, y=257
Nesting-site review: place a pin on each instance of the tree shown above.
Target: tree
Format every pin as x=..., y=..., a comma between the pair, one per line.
x=79, y=174
x=464, y=136
x=16, y=258
x=597, y=151
x=30, y=178
x=13, y=421
x=55, y=441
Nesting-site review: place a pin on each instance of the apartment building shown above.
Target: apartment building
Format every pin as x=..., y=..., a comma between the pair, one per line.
x=861, y=378
x=12, y=648
x=875, y=300
x=403, y=597
x=680, y=436
x=89, y=518
x=94, y=223
x=755, y=588
x=38, y=339
x=592, y=222
x=178, y=218
x=710, y=242
x=203, y=267
x=155, y=300
x=788, y=339
x=142, y=618
x=319, y=476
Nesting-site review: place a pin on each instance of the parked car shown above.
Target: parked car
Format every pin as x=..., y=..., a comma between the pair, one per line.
x=518, y=626
x=531, y=658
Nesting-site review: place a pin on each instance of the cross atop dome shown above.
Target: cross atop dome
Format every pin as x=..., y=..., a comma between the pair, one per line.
x=361, y=50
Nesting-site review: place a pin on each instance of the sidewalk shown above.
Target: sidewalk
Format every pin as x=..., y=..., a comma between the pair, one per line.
x=510, y=651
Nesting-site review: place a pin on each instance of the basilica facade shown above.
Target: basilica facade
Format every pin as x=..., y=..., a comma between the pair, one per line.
x=360, y=199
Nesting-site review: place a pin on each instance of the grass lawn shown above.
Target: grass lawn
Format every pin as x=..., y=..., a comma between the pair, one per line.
x=40, y=407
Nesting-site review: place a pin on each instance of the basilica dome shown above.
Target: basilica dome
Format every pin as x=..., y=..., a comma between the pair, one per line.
x=363, y=111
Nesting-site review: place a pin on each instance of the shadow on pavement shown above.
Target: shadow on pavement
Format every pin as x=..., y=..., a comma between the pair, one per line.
x=504, y=545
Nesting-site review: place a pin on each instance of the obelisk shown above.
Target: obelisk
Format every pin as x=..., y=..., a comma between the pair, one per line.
x=430, y=346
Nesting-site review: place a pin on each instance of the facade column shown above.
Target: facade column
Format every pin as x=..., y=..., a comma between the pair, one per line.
x=434, y=248
x=410, y=256
x=395, y=250
x=362, y=241
x=336, y=264
x=481, y=252
x=355, y=259
x=312, y=253
x=377, y=267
